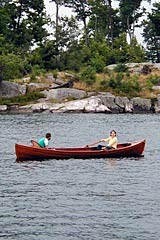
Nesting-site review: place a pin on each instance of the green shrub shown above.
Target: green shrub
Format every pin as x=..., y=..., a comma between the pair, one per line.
x=149, y=84
x=11, y=66
x=115, y=81
x=121, y=68
x=88, y=75
x=131, y=85
x=55, y=73
x=33, y=76
x=98, y=63
x=154, y=79
x=36, y=71
x=151, y=81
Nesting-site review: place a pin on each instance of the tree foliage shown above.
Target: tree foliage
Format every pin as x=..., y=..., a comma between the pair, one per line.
x=93, y=37
x=22, y=23
x=11, y=66
x=130, y=13
x=151, y=34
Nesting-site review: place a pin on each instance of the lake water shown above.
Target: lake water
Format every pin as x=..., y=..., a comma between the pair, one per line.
x=93, y=199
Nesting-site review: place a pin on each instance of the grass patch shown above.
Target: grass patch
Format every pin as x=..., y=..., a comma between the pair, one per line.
x=21, y=100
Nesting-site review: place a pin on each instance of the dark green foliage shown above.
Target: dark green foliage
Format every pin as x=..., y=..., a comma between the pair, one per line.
x=75, y=58
x=131, y=86
x=130, y=13
x=104, y=22
x=121, y=68
x=55, y=73
x=88, y=75
x=152, y=80
x=22, y=31
x=4, y=21
x=36, y=71
x=116, y=81
x=46, y=57
x=155, y=17
x=151, y=34
x=125, y=53
x=11, y=66
x=95, y=37
x=98, y=63
x=68, y=63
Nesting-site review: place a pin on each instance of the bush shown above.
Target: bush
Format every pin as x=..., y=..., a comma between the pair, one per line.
x=116, y=81
x=121, y=68
x=151, y=81
x=98, y=63
x=149, y=85
x=36, y=71
x=131, y=86
x=154, y=79
x=88, y=75
x=11, y=66
x=55, y=73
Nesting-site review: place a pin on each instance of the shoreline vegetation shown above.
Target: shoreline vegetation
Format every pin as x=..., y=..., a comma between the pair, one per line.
x=90, y=61
x=120, y=88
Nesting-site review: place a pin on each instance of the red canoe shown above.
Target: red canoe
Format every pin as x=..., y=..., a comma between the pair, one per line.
x=130, y=149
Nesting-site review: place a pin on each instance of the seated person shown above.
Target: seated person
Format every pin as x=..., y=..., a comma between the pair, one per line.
x=43, y=142
x=112, y=141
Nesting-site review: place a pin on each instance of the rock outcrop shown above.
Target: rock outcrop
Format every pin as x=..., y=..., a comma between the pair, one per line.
x=138, y=68
x=9, y=89
x=141, y=105
x=102, y=103
x=61, y=94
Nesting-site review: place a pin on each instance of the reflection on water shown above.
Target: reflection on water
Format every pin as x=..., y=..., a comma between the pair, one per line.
x=112, y=162
x=79, y=199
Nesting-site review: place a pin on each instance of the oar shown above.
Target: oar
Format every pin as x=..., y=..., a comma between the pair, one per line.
x=92, y=144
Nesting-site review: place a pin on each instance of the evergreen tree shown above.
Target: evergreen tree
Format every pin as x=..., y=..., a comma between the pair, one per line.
x=103, y=22
x=82, y=10
x=130, y=13
x=151, y=34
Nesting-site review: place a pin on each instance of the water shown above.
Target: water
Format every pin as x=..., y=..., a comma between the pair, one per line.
x=113, y=199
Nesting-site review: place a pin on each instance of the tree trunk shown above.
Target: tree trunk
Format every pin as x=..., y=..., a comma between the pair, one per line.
x=57, y=17
x=110, y=25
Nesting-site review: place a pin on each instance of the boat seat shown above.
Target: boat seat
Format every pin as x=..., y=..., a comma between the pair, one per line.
x=34, y=143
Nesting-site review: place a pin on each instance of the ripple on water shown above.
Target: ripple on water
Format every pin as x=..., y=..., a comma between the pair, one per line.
x=114, y=199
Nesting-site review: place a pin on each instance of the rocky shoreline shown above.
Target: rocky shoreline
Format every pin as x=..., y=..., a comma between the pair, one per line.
x=100, y=103
x=62, y=97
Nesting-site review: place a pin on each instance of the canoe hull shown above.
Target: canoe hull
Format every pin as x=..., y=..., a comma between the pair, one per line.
x=24, y=152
